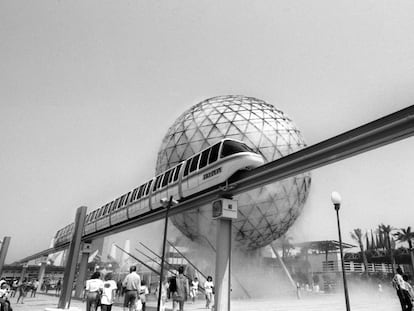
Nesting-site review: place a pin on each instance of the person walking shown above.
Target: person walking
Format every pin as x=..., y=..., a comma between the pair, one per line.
x=93, y=290
x=132, y=284
x=34, y=287
x=402, y=290
x=179, y=296
x=108, y=293
x=194, y=289
x=209, y=288
x=143, y=292
x=22, y=288
x=58, y=287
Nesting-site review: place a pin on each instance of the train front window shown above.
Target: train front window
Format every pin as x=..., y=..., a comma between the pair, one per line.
x=231, y=147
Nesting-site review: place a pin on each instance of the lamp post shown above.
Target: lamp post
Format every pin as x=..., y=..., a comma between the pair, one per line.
x=167, y=204
x=336, y=200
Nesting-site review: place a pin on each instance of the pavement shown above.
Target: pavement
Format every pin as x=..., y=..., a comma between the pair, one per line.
x=321, y=302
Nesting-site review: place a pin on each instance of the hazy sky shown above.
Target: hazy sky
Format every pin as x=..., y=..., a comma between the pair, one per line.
x=89, y=88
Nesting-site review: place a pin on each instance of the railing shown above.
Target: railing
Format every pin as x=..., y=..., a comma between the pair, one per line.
x=357, y=267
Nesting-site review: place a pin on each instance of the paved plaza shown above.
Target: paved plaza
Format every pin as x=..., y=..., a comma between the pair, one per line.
x=309, y=303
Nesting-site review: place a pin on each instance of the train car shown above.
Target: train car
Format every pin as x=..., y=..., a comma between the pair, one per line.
x=206, y=169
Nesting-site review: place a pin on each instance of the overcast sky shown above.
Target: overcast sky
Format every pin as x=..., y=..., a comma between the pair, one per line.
x=89, y=88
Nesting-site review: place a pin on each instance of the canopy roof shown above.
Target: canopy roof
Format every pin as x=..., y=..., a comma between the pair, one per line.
x=323, y=246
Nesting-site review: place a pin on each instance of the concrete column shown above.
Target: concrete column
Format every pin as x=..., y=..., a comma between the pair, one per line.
x=41, y=275
x=23, y=273
x=73, y=255
x=3, y=252
x=80, y=281
x=223, y=265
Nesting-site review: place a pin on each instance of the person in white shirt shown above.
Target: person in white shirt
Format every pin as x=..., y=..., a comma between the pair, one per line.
x=143, y=292
x=194, y=289
x=93, y=290
x=209, y=287
x=108, y=293
x=402, y=290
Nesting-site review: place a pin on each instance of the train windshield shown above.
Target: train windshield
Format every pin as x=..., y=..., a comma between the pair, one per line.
x=231, y=147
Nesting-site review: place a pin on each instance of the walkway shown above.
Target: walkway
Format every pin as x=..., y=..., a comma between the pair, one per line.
x=311, y=303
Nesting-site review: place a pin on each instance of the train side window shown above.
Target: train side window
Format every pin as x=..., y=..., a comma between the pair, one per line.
x=93, y=215
x=134, y=194
x=214, y=153
x=100, y=212
x=141, y=191
x=177, y=171
x=127, y=198
x=204, y=158
x=121, y=201
x=148, y=188
x=165, y=179
x=106, y=209
x=187, y=167
x=172, y=172
x=194, y=163
x=112, y=206
x=157, y=182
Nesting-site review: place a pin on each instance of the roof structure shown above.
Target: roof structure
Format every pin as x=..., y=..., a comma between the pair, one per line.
x=323, y=246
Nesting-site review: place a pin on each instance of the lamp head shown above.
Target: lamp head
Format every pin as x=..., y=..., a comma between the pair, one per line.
x=164, y=202
x=336, y=199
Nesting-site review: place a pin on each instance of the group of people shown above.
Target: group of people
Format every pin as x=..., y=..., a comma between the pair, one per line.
x=404, y=290
x=102, y=293
x=179, y=289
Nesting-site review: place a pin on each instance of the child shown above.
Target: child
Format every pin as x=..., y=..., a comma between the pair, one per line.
x=194, y=289
x=143, y=292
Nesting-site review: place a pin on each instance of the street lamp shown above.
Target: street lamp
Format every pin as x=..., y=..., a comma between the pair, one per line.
x=166, y=203
x=336, y=200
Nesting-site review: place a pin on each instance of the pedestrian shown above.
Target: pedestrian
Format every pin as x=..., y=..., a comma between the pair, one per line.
x=22, y=288
x=179, y=296
x=119, y=291
x=408, y=287
x=209, y=289
x=143, y=292
x=402, y=290
x=4, y=294
x=109, y=292
x=164, y=289
x=58, y=287
x=194, y=289
x=14, y=285
x=35, y=285
x=93, y=291
x=298, y=290
x=132, y=284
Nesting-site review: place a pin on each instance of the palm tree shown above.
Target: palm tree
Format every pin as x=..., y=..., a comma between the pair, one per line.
x=406, y=235
x=285, y=242
x=357, y=235
x=386, y=231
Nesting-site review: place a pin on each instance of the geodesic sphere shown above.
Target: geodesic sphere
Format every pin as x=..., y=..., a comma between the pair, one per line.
x=265, y=213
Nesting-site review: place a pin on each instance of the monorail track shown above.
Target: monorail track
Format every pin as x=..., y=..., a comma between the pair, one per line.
x=383, y=131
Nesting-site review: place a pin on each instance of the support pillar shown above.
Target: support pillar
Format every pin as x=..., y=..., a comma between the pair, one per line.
x=83, y=268
x=74, y=249
x=42, y=271
x=223, y=265
x=3, y=252
x=23, y=273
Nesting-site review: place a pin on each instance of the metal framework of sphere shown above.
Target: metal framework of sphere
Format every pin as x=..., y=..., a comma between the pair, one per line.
x=265, y=213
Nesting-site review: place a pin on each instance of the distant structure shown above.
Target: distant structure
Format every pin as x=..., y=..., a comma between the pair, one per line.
x=265, y=213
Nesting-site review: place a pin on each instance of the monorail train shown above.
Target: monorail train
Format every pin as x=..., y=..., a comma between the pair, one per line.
x=206, y=169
